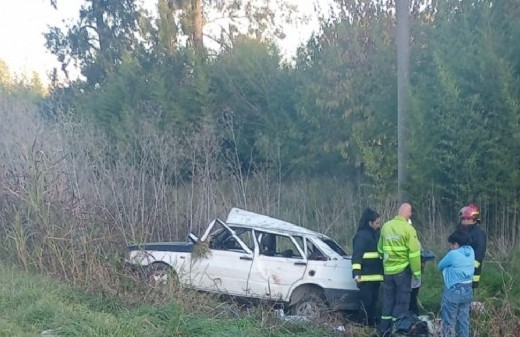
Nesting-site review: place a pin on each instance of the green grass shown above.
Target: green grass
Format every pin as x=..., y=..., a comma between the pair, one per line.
x=497, y=285
x=31, y=304
x=499, y=290
x=430, y=293
x=496, y=282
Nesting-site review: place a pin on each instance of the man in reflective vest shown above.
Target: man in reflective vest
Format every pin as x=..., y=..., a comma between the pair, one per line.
x=367, y=266
x=469, y=217
x=401, y=252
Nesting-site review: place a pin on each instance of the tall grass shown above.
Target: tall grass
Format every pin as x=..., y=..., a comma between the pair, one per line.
x=33, y=305
x=71, y=200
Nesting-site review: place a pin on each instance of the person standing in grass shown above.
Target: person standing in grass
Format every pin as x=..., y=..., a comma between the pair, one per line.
x=469, y=217
x=367, y=266
x=416, y=284
x=457, y=268
x=401, y=251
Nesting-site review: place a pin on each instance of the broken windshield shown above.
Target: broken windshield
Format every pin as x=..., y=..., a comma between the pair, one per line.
x=335, y=247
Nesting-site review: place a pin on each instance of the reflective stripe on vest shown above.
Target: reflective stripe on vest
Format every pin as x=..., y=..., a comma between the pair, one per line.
x=371, y=278
x=476, y=278
x=401, y=266
x=415, y=254
x=371, y=255
x=395, y=249
x=387, y=318
x=477, y=264
x=356, y=266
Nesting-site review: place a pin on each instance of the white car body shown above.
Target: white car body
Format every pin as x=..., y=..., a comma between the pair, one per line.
x=256, y=256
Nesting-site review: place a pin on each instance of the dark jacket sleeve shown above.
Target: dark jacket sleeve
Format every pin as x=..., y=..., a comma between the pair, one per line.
x=359, y=247
x=480, y=245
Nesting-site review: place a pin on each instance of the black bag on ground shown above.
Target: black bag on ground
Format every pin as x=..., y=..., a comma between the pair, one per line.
x=410, y=325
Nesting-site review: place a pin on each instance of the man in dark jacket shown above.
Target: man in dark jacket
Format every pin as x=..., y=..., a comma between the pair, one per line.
x=367, y=266
x=469, y=221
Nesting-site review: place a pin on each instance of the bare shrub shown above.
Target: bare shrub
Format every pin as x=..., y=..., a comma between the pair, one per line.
x=497, y=319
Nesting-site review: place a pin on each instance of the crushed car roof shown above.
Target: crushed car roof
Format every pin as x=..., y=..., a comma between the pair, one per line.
x=241, y=217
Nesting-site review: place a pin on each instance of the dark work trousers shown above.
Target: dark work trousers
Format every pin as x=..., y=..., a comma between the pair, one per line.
x=396, y=299
x=414, y=305
x=369, y=295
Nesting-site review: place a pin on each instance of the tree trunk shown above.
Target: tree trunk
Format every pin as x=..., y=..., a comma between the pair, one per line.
x=101, y=28
x=198, y=23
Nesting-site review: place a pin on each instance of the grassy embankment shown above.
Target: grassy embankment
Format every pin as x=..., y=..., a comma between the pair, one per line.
x=31, y=304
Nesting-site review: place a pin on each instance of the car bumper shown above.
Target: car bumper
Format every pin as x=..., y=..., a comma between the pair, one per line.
x=341, y=299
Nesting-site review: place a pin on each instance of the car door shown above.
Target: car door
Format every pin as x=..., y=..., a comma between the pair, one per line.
x=279, y=263
x=226, y=265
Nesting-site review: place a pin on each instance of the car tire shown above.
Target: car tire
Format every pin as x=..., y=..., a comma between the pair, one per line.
x=159, y=274
x=312, y=305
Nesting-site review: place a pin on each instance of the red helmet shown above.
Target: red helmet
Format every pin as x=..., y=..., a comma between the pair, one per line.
x=470, y=212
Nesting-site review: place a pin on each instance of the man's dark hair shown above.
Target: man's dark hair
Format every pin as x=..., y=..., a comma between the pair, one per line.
x=460, y=236
x=368, y=215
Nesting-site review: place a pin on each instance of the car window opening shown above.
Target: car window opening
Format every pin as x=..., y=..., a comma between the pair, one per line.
x=314, y=253
x=335, y=247
x=277, y=246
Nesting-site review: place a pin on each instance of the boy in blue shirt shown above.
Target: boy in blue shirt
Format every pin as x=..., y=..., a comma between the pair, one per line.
x=457, y=267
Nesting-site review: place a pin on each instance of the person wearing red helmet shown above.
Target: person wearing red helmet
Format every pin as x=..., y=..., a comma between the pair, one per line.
x=469, y=217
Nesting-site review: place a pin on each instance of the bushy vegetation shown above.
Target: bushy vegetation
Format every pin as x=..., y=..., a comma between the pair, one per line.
x=159, y=138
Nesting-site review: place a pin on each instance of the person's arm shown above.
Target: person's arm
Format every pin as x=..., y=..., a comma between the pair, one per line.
x=359, y=244
x=480, y=247
x=414, y=252
x=445, y=261
x=380, y=245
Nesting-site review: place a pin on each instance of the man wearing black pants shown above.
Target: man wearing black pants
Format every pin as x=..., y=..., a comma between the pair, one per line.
x=401, y=252
x=426, y=256
x=414, y=305
x=416, y=284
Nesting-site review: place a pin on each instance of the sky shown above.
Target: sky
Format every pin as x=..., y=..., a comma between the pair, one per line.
x=23, y=22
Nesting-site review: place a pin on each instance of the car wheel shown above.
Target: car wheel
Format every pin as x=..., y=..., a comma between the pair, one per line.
x=312, y=305
x=159, y=274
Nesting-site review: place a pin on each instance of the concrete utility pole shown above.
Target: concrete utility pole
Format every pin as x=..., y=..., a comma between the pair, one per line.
x=403, y=60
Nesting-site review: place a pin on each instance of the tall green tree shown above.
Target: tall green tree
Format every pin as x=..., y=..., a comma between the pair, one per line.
x=349, y=96
x=104, y=32
x=167, y=27
x=255, y=100
x=221, y=22
x=466, y=89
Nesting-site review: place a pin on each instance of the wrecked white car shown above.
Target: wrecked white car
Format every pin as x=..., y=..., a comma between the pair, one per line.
x=256, y=256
